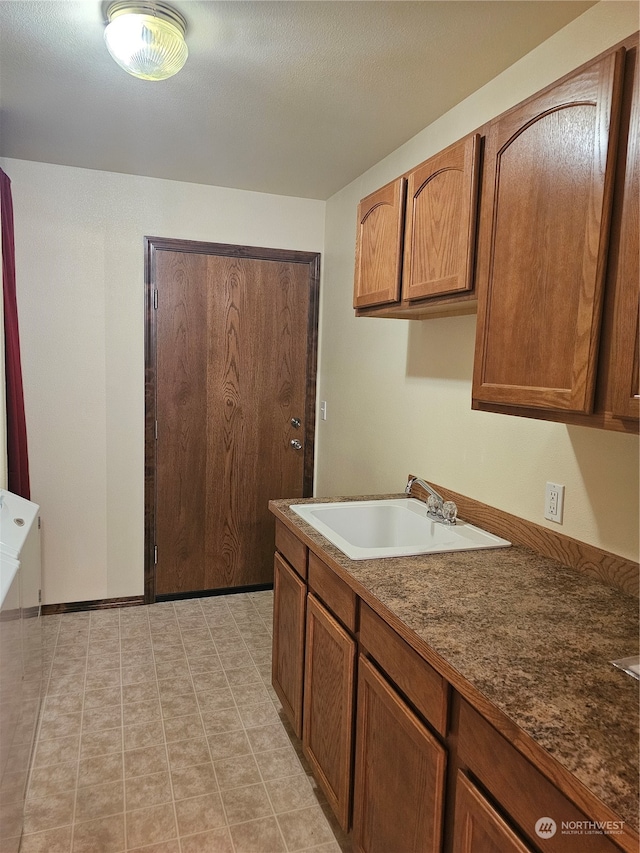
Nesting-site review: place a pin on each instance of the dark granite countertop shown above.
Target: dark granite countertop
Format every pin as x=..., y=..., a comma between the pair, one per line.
x=533, y=637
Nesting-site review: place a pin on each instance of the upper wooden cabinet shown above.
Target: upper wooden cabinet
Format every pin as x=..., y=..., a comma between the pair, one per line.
x=548, y=182
x=624, y=382
x=441, y=222
x=416, y=257
x=379, y=246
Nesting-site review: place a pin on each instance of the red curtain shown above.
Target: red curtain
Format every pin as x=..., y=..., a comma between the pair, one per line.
x=18, y=460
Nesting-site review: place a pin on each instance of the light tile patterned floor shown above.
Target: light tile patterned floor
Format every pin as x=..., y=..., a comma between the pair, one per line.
x=160, y=732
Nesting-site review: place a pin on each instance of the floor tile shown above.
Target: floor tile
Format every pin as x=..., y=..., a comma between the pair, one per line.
x=51, y=841
x=228, y=744
x=143, y=791
x=247, y=803
x=142, y=734
x=52, y=811
x=160, y=720
x=186, y=752
x=150, y=826
x=218, y=840
x=278, y=763
x=236, y=772
x=182, y=728
x=98, y=801
x=263, y=738
x=161, y=847
x=305, y=828
x=227, y=720
x=105, y=835
x=142, y=762
x=100, y=768
x=193, y=781
x=52, y=779
x=100, y=742
x=293, y=792
x=258, y=835
x=200, y=813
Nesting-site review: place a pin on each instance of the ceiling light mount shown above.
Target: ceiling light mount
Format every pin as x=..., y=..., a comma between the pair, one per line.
x=146, y=38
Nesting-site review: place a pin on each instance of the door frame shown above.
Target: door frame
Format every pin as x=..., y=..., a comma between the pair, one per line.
x=153, y=245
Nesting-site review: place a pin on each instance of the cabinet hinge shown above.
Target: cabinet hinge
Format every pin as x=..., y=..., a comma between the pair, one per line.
x=155, y=298
x=155, y=555
x=156, y=430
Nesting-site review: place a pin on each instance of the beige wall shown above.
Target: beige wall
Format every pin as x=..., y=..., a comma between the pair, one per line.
x=79, y=256
x=399, y=392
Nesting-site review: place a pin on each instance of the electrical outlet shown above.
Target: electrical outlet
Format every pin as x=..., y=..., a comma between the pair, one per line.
x=554, y=502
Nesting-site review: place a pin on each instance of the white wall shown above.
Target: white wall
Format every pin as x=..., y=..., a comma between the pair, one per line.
x=80, y=265
x=399, y=392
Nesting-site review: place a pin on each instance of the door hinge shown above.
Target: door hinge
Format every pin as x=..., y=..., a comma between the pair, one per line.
x=155, y=555
x=155, y=298
x=39, y=523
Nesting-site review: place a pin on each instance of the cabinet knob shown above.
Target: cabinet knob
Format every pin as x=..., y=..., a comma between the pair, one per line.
x=296, y=444
x=295, y=423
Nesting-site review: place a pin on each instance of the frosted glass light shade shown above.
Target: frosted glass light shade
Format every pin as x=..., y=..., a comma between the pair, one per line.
x=146, y=39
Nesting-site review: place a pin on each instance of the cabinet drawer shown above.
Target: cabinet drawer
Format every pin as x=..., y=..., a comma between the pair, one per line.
x=522, y=791
x=333, y=591
x=292, y=549
x=419, y=681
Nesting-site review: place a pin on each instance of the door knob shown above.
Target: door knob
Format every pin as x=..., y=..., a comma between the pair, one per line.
x=295, y=423
x=296, y=444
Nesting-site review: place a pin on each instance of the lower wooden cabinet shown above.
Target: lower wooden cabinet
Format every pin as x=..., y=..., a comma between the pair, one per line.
x=329, y=686
x=411, y=764
x=478, y=826
x=287, y=661
x=399, y=775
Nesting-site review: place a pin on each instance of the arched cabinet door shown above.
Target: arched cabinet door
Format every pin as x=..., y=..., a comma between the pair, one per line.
x=548, y=179
x=379, y=246
x=441, y=222
x=626, y=263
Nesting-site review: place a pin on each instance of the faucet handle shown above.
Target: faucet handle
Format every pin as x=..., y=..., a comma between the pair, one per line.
x=449, y=512
x=434, y=505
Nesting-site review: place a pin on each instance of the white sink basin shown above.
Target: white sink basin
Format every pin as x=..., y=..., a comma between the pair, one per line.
x=366, y=530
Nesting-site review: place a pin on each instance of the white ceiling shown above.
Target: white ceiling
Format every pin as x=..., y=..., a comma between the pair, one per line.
x=294, y=97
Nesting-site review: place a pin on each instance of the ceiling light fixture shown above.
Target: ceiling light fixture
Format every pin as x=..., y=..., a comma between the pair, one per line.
x=146, y=38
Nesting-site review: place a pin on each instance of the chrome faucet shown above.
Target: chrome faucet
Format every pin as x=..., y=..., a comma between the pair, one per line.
x=438, y=509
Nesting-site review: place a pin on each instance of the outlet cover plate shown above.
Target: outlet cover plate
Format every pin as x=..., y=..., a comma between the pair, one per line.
x=554, y=502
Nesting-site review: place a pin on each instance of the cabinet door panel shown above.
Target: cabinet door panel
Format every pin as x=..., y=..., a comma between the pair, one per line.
x=478, y=827
x=379, y=246
x=441, y=222
x=400, y=773
x=547, y=193
x=327, y=729
x=626, y=381
x=287, y=662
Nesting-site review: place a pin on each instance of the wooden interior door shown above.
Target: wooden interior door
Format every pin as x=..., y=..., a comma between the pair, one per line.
x=231, y=363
